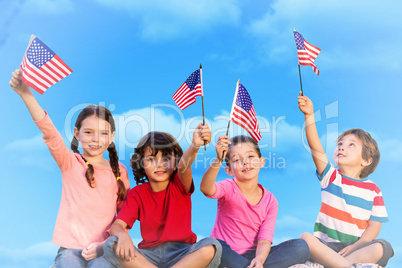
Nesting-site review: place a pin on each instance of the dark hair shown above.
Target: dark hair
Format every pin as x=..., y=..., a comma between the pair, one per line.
x=156, y=141
x=236, y=140
x=102, y=113
x=369, y=149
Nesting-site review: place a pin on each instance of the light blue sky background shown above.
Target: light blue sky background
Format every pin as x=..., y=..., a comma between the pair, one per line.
x=131, y=56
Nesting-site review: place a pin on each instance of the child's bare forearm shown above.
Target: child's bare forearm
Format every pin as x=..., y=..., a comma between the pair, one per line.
x=118, y=228
x=371, y=233
x=207, y=185
x=263, y=249
x=184, y=166
x=187, y=159
x=317, y=151
x=33, y=106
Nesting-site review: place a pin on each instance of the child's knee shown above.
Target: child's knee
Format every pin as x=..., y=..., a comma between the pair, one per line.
x=208, y=251
x=306, y=237
x=302, y=249
x=378, y=248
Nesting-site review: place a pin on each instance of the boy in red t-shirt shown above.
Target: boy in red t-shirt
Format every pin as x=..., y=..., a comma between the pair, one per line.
x=162, y=204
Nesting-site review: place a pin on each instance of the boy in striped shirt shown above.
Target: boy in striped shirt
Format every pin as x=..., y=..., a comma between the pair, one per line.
x=352, y=206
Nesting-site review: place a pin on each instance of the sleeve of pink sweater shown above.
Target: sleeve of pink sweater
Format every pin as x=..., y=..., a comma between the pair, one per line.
x=268, y=224
x=55, y=143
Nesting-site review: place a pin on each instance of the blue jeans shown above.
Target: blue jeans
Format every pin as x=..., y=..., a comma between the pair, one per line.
x=166, y=254
x=283, y=255
x=69, y=257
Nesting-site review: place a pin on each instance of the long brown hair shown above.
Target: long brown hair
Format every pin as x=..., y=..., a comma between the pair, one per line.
x=156, y=141
x=102, y=113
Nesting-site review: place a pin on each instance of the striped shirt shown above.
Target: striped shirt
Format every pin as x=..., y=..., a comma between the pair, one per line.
x=346, y=207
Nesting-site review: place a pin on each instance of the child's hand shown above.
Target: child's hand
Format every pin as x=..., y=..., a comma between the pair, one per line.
x=17, y=84
x=346, y=251
x=305, y=105
x=201, y=134
x=93, y=251
x=125, y=248
x=255, y=263
x=221, y=147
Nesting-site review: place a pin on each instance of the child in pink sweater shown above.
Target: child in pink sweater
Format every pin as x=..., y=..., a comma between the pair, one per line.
x=93, y=188
x=245, y=221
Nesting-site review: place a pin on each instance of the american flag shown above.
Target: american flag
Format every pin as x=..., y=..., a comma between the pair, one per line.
x=306, y=52
x=185, y=95
x=41, y=67
x=243, y=113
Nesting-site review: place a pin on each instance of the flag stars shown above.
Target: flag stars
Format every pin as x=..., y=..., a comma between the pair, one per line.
x=38, y=54
x=243, y=98
x=193, y=80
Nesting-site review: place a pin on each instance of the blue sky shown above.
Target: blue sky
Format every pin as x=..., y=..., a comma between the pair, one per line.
x=131, y=56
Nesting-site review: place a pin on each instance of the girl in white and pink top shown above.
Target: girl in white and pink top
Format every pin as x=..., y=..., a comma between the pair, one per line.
x=246, y=216
x=93, y=188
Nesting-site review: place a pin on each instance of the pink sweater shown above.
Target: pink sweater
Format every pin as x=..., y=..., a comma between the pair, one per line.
x=85, y=214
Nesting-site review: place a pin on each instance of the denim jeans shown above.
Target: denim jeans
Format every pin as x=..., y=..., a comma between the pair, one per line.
x=283, y=255
x=68, y=257
x=166, y=254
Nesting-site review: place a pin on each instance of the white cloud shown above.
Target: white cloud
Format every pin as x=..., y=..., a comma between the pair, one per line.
x=33, y=143
x=390, y=150
x=340, y=29
x=134, y=124
x=162, y=20
x=290, y=222
x=37, y=255
x=54, y=7
x=277, y=134
x=31, y=152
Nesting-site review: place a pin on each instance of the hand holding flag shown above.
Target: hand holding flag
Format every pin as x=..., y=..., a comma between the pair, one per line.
x=306, y=52
x=191, y=88
x=41, y=67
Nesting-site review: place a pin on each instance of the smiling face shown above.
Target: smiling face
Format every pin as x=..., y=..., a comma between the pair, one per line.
x=244, y=162
x=95, y=135
x=348, y=153
x=158, y=167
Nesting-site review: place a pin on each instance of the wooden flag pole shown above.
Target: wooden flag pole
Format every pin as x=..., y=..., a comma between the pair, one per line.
x=227, y=130
x=301, y=86
x=202, y=100
x=231, y=114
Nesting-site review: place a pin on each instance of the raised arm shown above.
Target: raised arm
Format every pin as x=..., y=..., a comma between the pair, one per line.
x=25, y=93
x=207, y=185
x=317, y=152
x=201, y=134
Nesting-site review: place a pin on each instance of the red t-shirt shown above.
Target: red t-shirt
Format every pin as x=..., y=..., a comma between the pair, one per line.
x=164, y=216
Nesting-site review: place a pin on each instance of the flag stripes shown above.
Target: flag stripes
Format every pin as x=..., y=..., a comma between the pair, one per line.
x=246, y=121
x=184, y=96
x=306, y=52
x=41, y=67
x=243, y=113
x=191, y=88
